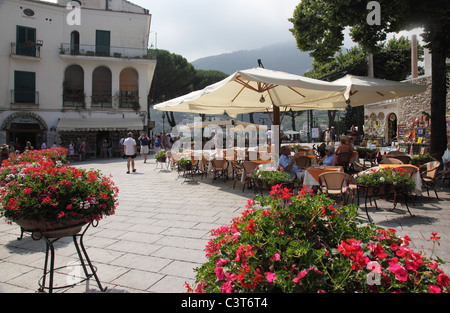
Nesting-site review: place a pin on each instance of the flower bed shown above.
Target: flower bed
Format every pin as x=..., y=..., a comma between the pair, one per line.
x=38, y=187
x=305, y=243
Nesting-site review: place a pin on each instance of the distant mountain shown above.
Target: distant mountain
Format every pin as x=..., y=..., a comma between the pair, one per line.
x=283, y=57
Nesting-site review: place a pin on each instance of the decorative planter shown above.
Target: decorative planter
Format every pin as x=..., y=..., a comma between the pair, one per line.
x=51, y=230
x=161, y=159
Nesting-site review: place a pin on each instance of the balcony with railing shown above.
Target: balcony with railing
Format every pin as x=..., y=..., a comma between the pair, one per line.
x=102, y=51
x=101, y=99
x=128, y=99
x=74, y=98
x=24, y=97
x=26, y=49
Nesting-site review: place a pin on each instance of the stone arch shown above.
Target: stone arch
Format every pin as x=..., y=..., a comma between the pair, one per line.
x=7, y=122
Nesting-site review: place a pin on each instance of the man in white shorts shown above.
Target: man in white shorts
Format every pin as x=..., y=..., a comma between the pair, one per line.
x=130, y=151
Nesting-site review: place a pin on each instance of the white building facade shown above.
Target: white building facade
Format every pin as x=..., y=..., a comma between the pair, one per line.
x=72, y=70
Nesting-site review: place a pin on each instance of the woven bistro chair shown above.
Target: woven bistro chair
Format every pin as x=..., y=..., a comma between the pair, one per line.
x=429, y=176
x=334, y=184
x=344, y=160
x=248, y=167
x=220, y=169
x=391, y=161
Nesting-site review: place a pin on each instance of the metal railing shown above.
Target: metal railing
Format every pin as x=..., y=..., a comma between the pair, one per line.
x=29, y=49
x=25, y=96
x=103, y=51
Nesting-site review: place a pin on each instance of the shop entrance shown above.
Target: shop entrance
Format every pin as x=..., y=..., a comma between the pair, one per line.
x=392, y=127
x=22, y=127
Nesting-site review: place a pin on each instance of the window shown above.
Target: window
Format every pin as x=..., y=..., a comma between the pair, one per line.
x=73, y=93
x=102, y=87
x=102, y=42
x=24, y=87
x=75, y=42
x=26, y=41
x=129, y=88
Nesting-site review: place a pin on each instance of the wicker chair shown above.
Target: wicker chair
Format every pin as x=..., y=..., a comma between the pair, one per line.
x=429, y=176
x=405, y=159
x=248, y=167
x=390, y=161
x=220, y=169
x=344, y=160
x=334, y=184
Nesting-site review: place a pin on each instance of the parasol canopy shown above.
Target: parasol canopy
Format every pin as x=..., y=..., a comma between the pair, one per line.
x=258, y=90
x=365, y=90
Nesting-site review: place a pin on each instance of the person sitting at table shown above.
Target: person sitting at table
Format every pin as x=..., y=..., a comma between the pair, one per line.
x=330, y=157
x=345, y=146
x=288, y=164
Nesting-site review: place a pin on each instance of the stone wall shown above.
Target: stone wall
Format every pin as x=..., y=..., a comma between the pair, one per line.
x=413, y=106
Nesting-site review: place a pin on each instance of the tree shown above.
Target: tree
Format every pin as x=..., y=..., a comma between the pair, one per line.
x=318, y=27
x=173, y=78
x=392, y=61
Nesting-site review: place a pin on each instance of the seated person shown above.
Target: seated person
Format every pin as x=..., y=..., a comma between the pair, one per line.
x=288, y=164
x=446, y=157
x=345, y=146
x=330, y=158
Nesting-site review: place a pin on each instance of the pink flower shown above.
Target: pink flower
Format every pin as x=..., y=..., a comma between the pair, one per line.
x=400, y=272
x=270, y=276
x=276, y=257
x=434, y=289
x=219, y=273
x=226, y=287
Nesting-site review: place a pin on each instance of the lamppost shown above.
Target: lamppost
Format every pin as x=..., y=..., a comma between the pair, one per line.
x=164, y=118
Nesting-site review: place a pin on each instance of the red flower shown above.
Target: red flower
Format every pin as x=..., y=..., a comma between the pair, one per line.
x=443, y=280
x=434, y=237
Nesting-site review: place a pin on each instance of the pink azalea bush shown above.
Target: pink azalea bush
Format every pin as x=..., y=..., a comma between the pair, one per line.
x=306, y=243
x=38, y=186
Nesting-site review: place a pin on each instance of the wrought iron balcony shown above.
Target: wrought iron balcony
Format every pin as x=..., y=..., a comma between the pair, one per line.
x=25, y=97
x=103, y=51
x=29, y=49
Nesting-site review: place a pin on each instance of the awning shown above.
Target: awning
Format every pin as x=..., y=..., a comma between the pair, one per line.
x=93, y=124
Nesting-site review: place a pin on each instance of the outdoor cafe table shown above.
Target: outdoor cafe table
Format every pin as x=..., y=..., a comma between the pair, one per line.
x=416, y=176
x=312, y=173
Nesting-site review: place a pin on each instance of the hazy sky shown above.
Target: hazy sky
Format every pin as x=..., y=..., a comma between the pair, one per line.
x=199, y=28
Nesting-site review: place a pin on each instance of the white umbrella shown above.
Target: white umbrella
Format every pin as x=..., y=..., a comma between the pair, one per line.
x=291, y=132
x=258, y=90
x=366, y=90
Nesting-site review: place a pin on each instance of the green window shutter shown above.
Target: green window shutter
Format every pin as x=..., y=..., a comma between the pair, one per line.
x=25, y=41
x=24, y=87
x=102, y=42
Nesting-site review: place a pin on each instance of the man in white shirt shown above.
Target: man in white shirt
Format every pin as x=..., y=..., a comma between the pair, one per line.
x=130, y=151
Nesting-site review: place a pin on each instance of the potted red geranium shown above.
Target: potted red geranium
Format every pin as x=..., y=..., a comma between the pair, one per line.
x=40, y=193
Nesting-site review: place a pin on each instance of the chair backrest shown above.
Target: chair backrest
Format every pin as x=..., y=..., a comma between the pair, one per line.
x=249, y=166
x=431, y=169
x=403, y=158
x=390, y=161
x=333, y=180
x=395, y=153
x=303, y=162
x=408, y=170
x=344, y=157
x=219, y=164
